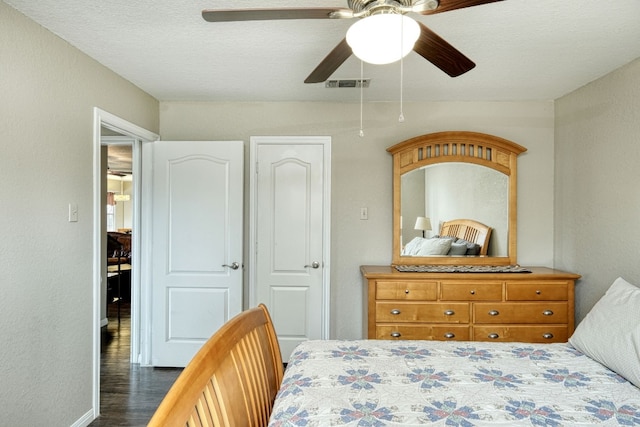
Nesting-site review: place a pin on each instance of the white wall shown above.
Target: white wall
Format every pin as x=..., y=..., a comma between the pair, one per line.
x=361, y=170
x=48, y=91
x=597, y=183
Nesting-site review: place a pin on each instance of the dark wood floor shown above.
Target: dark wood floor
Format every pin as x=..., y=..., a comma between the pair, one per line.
x=129, y=394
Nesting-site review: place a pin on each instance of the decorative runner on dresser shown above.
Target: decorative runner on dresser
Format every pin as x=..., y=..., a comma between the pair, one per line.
x=462, y=268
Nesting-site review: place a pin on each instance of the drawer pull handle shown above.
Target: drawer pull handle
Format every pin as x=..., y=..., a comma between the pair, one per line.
x=538, y=292
x=473, y=292
x=547, y=336
x=449, y=313
x=494, y=336
x=395, y=311
x=548, y=313
x=406, y=291
x=396, y=334
x=493, y=312
x=449, y=335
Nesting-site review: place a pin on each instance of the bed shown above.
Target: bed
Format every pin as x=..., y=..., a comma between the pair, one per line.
x=457, y=237
x=591, y=380
x=231, y=381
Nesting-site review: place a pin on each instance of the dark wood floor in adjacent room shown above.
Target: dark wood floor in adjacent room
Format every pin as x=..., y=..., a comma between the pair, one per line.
x=129, y=394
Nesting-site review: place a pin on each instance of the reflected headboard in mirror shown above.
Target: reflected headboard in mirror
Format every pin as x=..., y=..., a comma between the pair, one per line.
x=450, y=176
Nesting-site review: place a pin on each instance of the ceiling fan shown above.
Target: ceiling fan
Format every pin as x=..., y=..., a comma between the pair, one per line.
x=429, y=45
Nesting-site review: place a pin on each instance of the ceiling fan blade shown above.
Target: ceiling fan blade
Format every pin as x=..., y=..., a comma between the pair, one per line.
x=436, y=50
x=228, y=15
x=330, y=63
x=447, y=5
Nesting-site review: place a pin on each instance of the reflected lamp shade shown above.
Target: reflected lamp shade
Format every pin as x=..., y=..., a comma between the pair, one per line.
x=383, y=38
x=423, y=224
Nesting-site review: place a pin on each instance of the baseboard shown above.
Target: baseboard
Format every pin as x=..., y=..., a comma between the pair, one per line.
x=85, y=420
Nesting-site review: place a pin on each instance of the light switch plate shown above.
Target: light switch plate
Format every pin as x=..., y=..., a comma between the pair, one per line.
x=364, y=213
x=73, y=212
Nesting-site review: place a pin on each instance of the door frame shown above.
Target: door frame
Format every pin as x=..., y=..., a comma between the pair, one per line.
x=325, y=141
x=140, y=135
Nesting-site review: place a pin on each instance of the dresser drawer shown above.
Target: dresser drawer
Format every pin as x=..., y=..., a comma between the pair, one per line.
x=471, y=291
x=422, y=312
x=422, y=332
x=549, y=312
x=534, y=334
x=532, y=291
x=410, y=291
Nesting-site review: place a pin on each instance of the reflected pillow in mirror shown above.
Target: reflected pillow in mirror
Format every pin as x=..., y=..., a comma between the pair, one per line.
x=434, y=247
x=458, y=249
x=472, y=248
x=610, y=332
x=413, y=246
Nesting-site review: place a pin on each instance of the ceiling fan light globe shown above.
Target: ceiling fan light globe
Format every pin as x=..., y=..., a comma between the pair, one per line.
x=383, y=38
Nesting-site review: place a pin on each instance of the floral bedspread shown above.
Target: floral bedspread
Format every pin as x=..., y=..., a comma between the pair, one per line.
x=379, y=383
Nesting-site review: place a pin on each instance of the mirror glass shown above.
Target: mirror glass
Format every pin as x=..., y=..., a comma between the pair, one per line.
x=456, y=190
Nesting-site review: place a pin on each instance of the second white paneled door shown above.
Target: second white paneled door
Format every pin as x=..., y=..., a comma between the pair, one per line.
x=290, y=193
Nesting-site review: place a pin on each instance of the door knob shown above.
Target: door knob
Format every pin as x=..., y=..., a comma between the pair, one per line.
x=233, y=266
x=314, y=264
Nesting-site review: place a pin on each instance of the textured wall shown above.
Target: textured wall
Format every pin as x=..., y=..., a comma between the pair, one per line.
x=361, y=170
x=48, y=92
x=597, y=195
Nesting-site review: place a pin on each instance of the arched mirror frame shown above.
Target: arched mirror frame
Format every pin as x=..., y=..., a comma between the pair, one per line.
x=448, y=147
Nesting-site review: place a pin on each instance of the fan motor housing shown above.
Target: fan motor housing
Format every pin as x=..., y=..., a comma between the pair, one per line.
x=371, y=5
x=363, y=8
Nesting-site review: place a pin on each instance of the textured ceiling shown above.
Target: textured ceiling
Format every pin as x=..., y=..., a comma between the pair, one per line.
x=524, y=49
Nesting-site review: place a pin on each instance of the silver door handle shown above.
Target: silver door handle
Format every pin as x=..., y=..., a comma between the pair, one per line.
x=314, y=264
x=233, y=266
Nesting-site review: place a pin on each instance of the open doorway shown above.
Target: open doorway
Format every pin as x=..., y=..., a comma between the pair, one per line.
x=119, y=183
x=108, y=126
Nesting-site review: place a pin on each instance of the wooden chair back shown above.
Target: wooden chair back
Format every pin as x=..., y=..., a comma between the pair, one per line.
x=232, y=380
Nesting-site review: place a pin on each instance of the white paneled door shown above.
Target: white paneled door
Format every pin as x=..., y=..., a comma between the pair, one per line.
x=196, y=245
x=290, y=233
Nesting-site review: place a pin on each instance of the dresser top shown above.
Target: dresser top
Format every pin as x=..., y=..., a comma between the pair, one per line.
x=389, y=272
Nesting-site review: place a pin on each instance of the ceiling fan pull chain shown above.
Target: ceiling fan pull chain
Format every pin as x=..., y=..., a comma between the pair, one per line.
x=361, y=93
x=401, y=117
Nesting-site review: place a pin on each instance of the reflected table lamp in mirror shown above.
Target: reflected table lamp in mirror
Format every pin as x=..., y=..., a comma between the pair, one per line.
x=423, y=224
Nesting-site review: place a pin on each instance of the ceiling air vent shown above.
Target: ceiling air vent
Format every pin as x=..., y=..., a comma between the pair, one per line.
x=347, y=83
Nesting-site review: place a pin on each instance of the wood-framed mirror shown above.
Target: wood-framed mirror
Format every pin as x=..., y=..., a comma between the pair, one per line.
x=465, y=184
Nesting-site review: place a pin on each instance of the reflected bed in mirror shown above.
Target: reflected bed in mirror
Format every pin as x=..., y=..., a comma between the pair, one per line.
x=459, y=237
x=447, y=177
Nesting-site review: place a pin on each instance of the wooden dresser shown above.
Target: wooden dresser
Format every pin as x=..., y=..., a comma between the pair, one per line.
x=528, y=307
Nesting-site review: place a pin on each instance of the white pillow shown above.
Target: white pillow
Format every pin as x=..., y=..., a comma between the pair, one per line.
x=412, y=247
x=610, y=332
x=434, y=246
